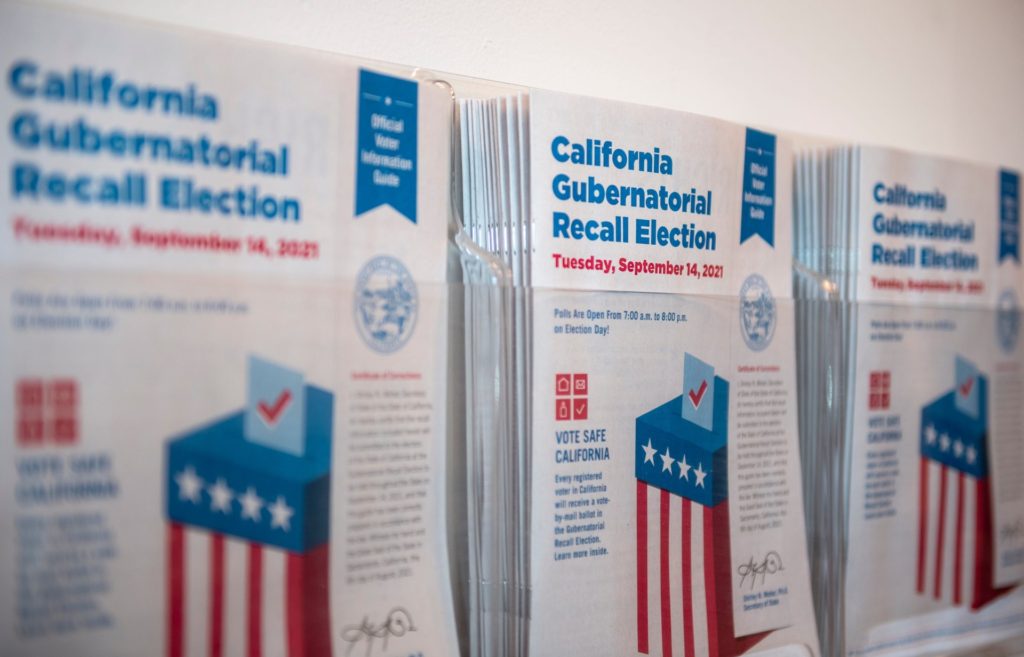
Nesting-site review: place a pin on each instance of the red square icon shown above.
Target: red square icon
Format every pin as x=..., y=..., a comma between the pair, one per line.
x=47, y=411
x=571, y=396
x=878, y=392
x=63, y=392
x=30, y=393
x=563, y=409
x=579, y=408
x=65, y=430
x=30, y=432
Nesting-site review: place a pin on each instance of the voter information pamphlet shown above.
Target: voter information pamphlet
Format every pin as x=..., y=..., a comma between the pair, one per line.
x=655, y=329
x=922, y=256
x=222, y=274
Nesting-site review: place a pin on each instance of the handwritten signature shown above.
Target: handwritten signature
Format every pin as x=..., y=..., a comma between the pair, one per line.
x=397, y=624
x=771, y=564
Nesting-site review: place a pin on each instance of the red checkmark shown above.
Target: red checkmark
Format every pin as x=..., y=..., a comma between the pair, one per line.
x=271, y=414
x=695, y=397
x=965, y=387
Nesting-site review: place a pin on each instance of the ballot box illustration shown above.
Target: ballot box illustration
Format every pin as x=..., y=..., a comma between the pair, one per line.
x=248, y=502
x=681, y=471
x=955, y=539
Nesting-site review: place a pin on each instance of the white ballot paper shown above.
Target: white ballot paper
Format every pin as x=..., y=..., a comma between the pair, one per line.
x=222, y=279
x=664, y=495
x=930, y=418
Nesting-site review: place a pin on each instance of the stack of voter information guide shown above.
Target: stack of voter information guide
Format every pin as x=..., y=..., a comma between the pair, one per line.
x=911, y=395
x=640, y=492
x=223, y=289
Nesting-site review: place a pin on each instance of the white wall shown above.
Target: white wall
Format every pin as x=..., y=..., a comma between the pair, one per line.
x=943, y=76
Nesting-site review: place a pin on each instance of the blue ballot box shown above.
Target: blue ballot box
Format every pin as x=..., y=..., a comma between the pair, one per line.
x=700, y=453
x=290, y=495
x=260, y=477
x=681, y=455
x=954, y=490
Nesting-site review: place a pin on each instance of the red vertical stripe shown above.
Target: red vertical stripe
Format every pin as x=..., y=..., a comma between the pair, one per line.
x=308, y=619
x=940, y=533
x=688, y=649
x=710, y=594
x=982, y=552
x=175, y=589
x=318, y=621
x=296, y=620
x=958, y=555
x=216, y=646
x=983, y=580
x=985, y=590
x=666, y=592
x=922, y=525
x=254, y=600
x=642, y=641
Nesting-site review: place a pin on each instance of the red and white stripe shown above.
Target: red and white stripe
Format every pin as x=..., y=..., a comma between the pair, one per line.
x=684, y=587
x=228, y=597
x=954, y=536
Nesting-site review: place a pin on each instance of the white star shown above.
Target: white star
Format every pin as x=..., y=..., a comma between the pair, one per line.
x=929, y=434
x=699, y=471
x=189, y=485
x=220, y=497
x=280, y=514
x=684, y=469
x=971, y=454
x=649, y=452
x=252, y=505
x=944, y=442
x=666, y=461
x=958, y=447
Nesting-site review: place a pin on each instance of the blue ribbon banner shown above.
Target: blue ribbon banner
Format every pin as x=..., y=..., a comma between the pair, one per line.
x=386, y=149
x=1009, y=215
x=758, y=212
